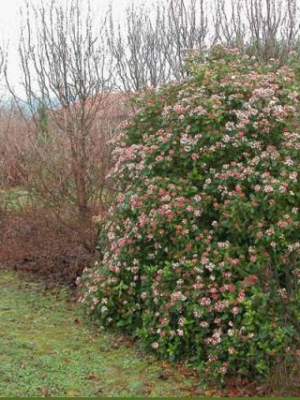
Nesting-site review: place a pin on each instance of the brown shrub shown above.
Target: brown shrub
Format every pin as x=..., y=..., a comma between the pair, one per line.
x=43, y=228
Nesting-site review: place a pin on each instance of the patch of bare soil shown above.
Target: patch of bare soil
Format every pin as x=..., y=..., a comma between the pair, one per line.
x=29, y=244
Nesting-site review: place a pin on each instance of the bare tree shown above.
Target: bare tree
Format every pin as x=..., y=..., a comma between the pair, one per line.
x=172, y=29
x=229, y=23
x=138, y=52
x=263, y=28
x=1, y=61
x=187, y=32
x=67, y=80
x=149, y=48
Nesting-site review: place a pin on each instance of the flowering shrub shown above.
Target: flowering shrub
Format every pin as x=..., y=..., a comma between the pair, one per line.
x=202, y=247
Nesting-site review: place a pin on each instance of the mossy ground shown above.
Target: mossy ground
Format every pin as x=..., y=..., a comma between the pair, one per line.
x=14, y=199
x=47, y=350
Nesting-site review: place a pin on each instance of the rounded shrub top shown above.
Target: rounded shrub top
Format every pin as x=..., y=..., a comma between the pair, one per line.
x=202, y=244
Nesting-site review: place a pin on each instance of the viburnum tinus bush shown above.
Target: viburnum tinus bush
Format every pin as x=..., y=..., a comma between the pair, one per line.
x=202, y=246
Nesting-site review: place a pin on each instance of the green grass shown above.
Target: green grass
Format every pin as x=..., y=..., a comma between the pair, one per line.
x=47, y=350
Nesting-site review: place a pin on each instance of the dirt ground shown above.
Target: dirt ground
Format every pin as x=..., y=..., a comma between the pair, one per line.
x=27, y=244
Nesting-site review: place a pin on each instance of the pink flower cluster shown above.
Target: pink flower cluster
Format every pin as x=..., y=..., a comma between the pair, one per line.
x=206, y=226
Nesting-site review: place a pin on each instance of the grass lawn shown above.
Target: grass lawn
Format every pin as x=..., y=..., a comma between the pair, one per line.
x=46, y=350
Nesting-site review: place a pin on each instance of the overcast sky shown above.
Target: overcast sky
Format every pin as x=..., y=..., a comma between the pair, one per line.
x=10, y=26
